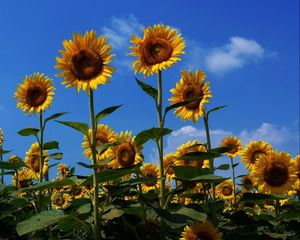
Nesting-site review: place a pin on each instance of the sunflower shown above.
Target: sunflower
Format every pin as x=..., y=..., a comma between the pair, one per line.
x=84, y=62
x=160, y=48
x=275, y=173
x=188, y=147
x=32, y=160
x=191, y=86
x=126, y=153
x=297, y=162
x=60, y=200
x=252, y=151
x=199, y=231
x=1, y=138
x=35, y=94
x=234, y=142
x=104, y=135
x=169, y=160
x=63, y=170
x=247, y=183
x=224, y=190
x=150, y=170
x=24, y=179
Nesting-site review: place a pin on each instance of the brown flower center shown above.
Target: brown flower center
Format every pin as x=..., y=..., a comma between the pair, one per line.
x=196, y=163
x=276, y=174
x=226, y=191
x=204, y=236
x=36, y=96
x=157, y=51
x=234, y=149
x=86, y=64
x=24, y=183
x=191, y=92
x=125, y=154
x=247, y=183
x=35, y=163
x=255, y=156
x=151, y=183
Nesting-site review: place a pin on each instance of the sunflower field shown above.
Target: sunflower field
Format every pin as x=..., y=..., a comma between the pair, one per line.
x=125, y=196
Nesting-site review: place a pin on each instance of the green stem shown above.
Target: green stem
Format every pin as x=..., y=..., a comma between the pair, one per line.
x=95, y=175
x=233, y=180
x=160, y=141
x=212, y=170
x=41, y=163
x=2, y=170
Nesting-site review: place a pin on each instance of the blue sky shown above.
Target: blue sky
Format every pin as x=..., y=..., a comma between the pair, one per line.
x=248, y=49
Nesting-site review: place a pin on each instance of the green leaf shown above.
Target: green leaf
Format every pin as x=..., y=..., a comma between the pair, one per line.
x=105, y=112
x=254, y=197
x=40, y=221
x=223, y=167
x=12, y=165
x=215, y=109
x=189, y=173
x=221, y=150
x=79, y=126
x=49, y=184
x=85, y=208
x=211, y=178
x=29, y=132
x=51, y=145
x=148, y=89
x=3, y=152
x=93, y=166
x=197, y=216
x=56, y=156
x=104, y=147
x=234, y=165
x=197, y=156
x=113, y=213
x=152, y=133
x=54, y=116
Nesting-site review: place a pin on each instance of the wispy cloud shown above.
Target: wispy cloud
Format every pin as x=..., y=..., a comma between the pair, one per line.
x=119, y=34
x=233, y=55
x=282, y=138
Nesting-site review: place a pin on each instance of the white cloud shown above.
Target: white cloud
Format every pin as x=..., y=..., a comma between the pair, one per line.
x=233, y=55
x=121, y=30
x=282, y=138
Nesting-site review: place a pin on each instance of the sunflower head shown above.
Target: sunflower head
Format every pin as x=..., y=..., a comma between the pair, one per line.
x=188, y=147
x=275, y=173
x=169, y=160
x=201, y=231
x=234, y=142
x=35, y=94
x=1, y=138
x=191, y=86
x=63, y=170
x=160, y=48
x=247, y=183
x=152, y=171
x=60, y=200
x=24, y=179
x=297, y=163
x=225, y=190
x=32, y=160
x=85, y=61
x=253, y=151
x=125, y=154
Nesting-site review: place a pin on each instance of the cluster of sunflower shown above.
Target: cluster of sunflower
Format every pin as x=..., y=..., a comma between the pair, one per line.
x=85, y=65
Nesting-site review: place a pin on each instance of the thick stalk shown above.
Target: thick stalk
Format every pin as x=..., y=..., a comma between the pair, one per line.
x=160, y=141
x=211, y=167
x=233, y=180
x=41, y=159
x=95, y=176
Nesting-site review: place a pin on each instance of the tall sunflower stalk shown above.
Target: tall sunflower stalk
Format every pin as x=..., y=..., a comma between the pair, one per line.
x=85, y=65
x=159, y=48
x=41, y=158
x=1, y=157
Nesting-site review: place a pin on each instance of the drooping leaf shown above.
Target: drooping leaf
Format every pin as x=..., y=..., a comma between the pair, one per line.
x=147, y=89
x=51, y=145
x=3, y=152
x=40, y=221
x=215, y=109
x=113, y=213
x=54, y=116
x=12, y=165
x=152, y=133
x=105, y=112
x=189, y=173
x=49, y=184
x=29, y=132
x=79, y=126
x=223, y=167
x=56, y=156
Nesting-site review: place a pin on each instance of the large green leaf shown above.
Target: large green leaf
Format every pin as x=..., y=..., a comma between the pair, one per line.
x=189, y=173
x=49, y=184
x=51, y=145
x=12, y=165
x=79, y=126
x=148, y=89
x=92, y=166
x=221, y=150
x=54, y=116
x=194, y=156
x=56, y=156
x=152, y=133
x=40, y=221
x=223, y=167
x=113, y=213
x=104, y=147
x=105, y=112
x=3, y=152
x=29, y=132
